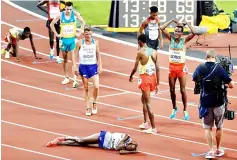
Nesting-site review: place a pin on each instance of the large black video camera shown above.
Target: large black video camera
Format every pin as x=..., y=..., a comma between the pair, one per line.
x=227, y=64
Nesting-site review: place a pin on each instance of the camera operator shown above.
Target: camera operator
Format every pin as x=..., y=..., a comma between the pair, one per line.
x=212, y=78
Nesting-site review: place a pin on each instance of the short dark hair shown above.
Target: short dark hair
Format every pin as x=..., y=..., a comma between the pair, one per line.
x=27, y=29
x=142, y=38
x=69, y=4
x=153, y=9
x=182, y=28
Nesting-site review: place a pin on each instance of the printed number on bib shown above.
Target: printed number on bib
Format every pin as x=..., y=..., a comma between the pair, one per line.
x=185, y=69
x=139, y=81
x=150, y=69
x=68, y=30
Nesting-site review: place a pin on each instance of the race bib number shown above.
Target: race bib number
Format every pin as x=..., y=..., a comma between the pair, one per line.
x=139, y=81
x=177, y=57
x=68, y=30
x=185, y=69
x=150, y=69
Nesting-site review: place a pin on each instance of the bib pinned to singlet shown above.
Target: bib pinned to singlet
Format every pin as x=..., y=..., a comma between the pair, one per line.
x=68, y=27
x=148, y=68
x=177, y=52
x=87, y=53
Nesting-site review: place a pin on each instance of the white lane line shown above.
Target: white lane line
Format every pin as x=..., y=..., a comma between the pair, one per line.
x=109, y=124
x=115, y=94
x=27, y=150
x=106, y=104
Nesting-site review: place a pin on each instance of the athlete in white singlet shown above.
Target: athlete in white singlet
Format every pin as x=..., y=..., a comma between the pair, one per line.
x=151, y=26
x=105, y=140
x=52, y=9
x=177, y=67
x=90, y=66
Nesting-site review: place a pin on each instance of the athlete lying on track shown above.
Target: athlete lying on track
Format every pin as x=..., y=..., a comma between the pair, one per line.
x=121, y=142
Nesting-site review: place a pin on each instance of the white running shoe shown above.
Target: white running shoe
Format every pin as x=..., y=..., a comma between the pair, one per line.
x=150, y=131
x=59, y=60
x=7, y=55
x=75, y=84
x=220, y=152
x=66, y=80
x=88, y=112
x=94, y=109
x=144, y=126
x=210, y=154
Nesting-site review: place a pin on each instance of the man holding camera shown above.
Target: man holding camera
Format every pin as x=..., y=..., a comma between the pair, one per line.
x=212, y=78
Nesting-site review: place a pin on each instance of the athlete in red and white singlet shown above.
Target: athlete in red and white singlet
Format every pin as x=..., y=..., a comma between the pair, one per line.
x=52, y=8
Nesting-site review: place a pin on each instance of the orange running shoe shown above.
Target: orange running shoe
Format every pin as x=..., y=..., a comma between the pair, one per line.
x=55, y=142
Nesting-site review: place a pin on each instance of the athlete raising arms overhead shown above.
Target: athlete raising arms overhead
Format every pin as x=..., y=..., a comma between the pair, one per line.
x=177, y=67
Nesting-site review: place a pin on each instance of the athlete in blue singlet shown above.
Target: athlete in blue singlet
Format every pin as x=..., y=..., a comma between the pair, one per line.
x=90, y=66
x=68, y=35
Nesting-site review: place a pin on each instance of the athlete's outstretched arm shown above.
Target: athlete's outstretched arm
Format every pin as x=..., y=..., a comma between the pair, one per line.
x=135, y=66
x=33, y=46
x=41, y=6
x=56, y=19
x=98, y=56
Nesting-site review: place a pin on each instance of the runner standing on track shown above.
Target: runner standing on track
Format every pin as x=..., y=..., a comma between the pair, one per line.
x=89, y=67
x=177, y=67
x=13, y=37
x=105, y=140
x=68, y=36
x=151, y=25
x=148, y=80
x=52, y=8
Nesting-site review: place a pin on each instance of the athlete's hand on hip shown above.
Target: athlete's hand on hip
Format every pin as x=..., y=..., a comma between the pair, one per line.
x=58, y=35
x=131, y=79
